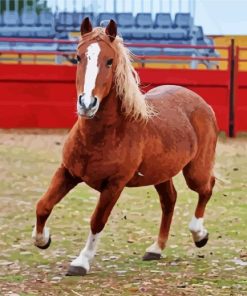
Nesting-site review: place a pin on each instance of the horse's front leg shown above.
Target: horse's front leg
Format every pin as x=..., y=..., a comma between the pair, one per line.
x=108, y=198
x=168, y=195
x=61, y=183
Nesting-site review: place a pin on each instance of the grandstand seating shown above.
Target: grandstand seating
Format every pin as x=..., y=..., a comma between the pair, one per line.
x=78, y=17
x=142, y=28
x=105, y=16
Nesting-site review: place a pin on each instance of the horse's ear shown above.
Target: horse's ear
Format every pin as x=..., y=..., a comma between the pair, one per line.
x=86, y=26
x=111, y=30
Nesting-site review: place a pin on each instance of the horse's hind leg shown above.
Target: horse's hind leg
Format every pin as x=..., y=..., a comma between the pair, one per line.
x=200, y=180
x=168, y=195
x=62, y=182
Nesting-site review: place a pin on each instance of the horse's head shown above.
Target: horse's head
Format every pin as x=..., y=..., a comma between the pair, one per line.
x=95, y=66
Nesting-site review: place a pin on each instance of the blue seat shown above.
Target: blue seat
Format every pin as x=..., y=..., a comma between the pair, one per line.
x=46, y=18
x=45, y=32
x=178, y=34
x=125, y=33
x=163, y=20
x=183, y=20
x=11, y=18
x=65, y=21
x=201, y=39
x=8, y=31
x=180, y=51
x=144, y=20
x=136, y=50
x=159, y=34
x=5, y=45
x=140, y=34
x=21, y=46
x=79, y=17
x=152, y=51
x=39, y=46
x=67, y=47
x=199, y=34
x=126, y=24
x=27, y=32
x=146, y=51
x=29, y=18
x=162, y=27
x=125, y=20
x=138, y=41
x=105, y=16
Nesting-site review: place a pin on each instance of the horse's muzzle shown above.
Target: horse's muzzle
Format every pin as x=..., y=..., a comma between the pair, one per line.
x=87, y=106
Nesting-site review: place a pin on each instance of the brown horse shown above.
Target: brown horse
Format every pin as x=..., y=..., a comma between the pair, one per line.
x=124, y=138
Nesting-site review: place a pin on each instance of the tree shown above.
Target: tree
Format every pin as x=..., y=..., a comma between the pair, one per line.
x=39, y=5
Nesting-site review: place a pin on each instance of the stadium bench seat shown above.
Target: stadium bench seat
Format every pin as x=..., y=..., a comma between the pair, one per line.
x=178, y=34
x=11, y=18
x=45, y=32
x=201, y=39
x=46, y=19
x=78, y=18
x=143, y=22
x=29, y=22
x=126, y=24
x=148, y=51
x=105, y=17
x=157, y=35
x=67, y=47
x=46, y=27
x=163, y=20
x=5, y=45
x=29, y=18
x=6, y=31
x=65, y=22
x=125, y=20
x=183, y=20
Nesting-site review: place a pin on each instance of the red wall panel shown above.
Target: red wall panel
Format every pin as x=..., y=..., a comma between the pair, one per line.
x=45, y=95
x=240, y=105
x=37, y=96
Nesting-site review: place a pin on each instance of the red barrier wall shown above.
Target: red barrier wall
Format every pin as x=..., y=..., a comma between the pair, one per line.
x=240, y=105
x=37, y=96
x=44, y=95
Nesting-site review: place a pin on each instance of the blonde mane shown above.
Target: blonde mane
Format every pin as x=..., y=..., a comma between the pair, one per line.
x=126, y=79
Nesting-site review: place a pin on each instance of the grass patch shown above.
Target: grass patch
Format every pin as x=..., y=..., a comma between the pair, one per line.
x=27, y=164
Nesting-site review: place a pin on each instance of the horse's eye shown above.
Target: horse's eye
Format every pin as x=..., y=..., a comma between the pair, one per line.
x=109, y=63
x=78, y=58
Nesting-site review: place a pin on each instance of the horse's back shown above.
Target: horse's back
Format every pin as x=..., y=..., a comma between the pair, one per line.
x=173, y=96
x=172, y=102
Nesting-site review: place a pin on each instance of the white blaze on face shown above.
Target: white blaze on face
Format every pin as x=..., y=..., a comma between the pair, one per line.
x=92, y=70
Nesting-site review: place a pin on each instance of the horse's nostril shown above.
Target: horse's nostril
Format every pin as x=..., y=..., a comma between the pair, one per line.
x=79, y=99
x=94, y=102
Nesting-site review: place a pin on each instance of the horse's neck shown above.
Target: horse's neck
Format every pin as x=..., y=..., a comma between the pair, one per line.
x=109, y=114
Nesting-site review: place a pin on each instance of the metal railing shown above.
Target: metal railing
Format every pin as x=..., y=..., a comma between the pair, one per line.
x=197, y=55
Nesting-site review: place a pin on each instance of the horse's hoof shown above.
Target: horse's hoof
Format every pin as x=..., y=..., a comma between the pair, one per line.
x=151, y=256
x=76, y=271
x=46, y=245
x=202, y=242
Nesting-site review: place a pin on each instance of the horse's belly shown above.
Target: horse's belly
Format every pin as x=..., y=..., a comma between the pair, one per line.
x=152, y=177
x=160, y=165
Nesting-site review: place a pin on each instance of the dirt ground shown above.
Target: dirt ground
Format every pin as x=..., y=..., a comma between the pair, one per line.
x=28, y=159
